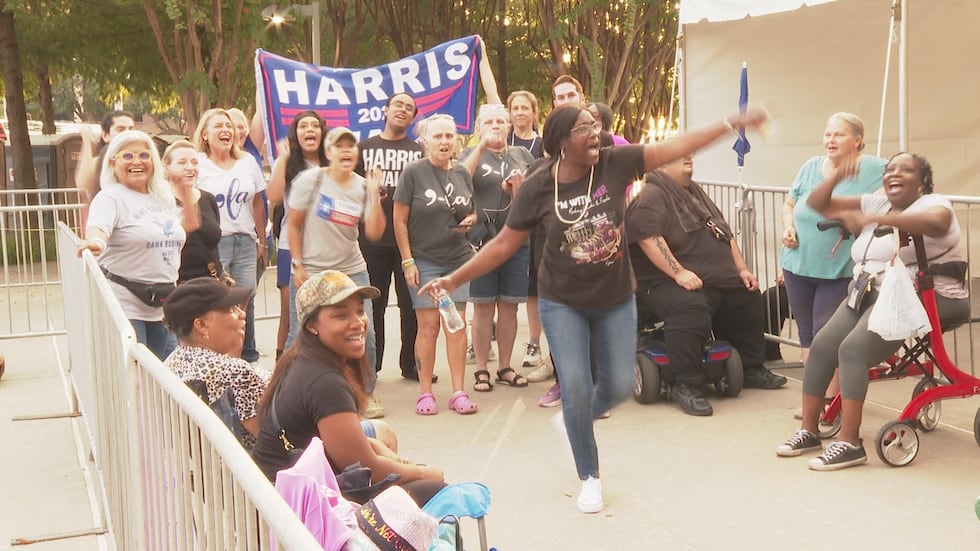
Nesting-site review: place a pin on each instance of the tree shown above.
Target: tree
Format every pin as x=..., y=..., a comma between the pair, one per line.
x=13, y=78
x=206, y=47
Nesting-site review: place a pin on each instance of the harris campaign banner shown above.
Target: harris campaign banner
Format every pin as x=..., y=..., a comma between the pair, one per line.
x=443, y=79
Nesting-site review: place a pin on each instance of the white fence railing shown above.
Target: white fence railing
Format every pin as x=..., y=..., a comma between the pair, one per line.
x=171, y=474
x=30, y=294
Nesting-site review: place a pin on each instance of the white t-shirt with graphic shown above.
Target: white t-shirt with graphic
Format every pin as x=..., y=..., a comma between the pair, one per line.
x=145, y=239
x=234, y=190
x=332, y=214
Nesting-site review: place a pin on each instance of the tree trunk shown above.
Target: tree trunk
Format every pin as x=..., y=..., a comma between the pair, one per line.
x=46, y=99
x=13, y=78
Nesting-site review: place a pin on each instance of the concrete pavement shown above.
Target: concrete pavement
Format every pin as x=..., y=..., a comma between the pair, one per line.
x=670, y=481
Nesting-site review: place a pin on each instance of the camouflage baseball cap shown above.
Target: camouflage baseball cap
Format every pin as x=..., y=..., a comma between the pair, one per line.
x=326, y=289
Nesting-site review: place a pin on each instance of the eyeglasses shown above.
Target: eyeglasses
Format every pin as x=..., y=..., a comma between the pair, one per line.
x=586, y=128
x=130, y=156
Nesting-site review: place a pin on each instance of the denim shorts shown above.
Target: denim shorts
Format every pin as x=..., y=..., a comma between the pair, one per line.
x=368, y=428
x=506, y=283
x=429, y=270
x=284, y=268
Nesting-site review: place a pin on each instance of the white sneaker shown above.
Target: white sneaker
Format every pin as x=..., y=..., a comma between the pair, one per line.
x=590, y=498
x=471, y=356
x=373, y=408
x=532, y=355
x=543, y=372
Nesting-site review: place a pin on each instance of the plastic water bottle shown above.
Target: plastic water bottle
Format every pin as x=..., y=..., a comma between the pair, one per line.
x=454, y=322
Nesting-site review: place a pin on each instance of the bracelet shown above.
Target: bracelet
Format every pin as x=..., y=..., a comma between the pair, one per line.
x=263, y=245
x=101, y=242
x=408, y=263
x=728, y=125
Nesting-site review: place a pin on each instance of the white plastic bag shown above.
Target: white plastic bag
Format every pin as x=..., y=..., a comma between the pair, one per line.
x=898, y=313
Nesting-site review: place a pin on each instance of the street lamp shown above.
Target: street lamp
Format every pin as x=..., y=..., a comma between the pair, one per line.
x=279, y=15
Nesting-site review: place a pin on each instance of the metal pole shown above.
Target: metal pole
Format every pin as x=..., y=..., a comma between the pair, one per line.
x=903, y=60
x=316, y=32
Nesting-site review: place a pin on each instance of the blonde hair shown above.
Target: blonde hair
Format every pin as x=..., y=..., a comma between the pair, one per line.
x=157, y=187
x=202, y=145
x=853, y=122
x=179, y=144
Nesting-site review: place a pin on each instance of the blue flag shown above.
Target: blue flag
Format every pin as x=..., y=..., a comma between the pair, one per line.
x=443, y=79
x=742, y=146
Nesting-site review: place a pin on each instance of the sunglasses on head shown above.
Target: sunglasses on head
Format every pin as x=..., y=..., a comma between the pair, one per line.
x=129, y=156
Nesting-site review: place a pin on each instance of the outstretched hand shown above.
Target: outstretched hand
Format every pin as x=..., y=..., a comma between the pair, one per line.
x=436, y=285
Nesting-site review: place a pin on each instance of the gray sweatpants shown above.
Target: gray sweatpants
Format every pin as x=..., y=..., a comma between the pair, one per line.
x=846, y=342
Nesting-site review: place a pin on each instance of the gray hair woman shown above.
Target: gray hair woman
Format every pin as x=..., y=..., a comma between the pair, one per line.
x=137, y=231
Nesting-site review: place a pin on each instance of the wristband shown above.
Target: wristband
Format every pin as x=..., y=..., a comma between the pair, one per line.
x=101, y=242
x=728, y=125
x=408, y=263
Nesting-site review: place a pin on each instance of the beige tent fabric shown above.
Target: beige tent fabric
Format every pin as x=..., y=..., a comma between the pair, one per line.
x=693, y=11
x=809, y=63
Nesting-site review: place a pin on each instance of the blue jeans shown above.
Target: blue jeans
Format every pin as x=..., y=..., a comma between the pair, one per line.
x=238, y=257
x=156, y=337
x=360, y=278
x=569, y=331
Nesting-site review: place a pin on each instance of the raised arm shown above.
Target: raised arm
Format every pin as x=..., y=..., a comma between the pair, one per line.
x=486, y=76
x=822, y=198
x=658, y=154
x=374, y=217
x=276, y=190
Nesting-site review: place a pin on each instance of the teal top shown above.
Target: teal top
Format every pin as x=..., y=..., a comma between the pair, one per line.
x=812, y=257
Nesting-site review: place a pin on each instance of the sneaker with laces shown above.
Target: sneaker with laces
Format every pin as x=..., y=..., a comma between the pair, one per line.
x=839, y=455
x=541, y=373
x=551, y=398
x=373, y=408
x=532, y=355
x=801, y=441
x=590, y=498
x=471, y=356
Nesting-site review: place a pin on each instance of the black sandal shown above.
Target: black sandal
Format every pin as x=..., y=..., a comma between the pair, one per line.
x=517, y=381
x=480, y=381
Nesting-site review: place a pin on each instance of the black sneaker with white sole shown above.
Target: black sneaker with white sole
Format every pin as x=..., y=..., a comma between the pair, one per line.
x=839, y=455
x=801, y=441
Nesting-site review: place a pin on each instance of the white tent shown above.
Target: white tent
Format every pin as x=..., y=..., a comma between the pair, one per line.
x=809, y=62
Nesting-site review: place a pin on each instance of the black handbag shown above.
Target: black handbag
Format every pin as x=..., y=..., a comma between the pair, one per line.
x=354, y=480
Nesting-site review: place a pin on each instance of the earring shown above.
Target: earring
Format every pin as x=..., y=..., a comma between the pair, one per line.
x=207, y=336
x=316, y=333
x=563, y=153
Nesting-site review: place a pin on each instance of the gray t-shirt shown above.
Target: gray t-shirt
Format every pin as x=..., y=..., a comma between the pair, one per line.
x=332, y=214
x=492, y=202
x=432, y=194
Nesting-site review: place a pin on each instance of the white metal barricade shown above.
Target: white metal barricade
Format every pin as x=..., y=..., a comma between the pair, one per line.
x=172, y=475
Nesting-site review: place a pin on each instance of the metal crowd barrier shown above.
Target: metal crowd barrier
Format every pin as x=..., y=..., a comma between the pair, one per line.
x=30, y=293
x=171, y=474
x=755, y=214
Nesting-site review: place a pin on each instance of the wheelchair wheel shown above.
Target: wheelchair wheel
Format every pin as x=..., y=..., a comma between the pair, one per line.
x=929, y=415
x=897, y=443
x=730, y=385
x=976, y=427
x=828, y=429
x=646, y=388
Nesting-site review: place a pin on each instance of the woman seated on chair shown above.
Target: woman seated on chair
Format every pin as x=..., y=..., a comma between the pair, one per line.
x=317, y=389
x=205, y=316
x=908, y=204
